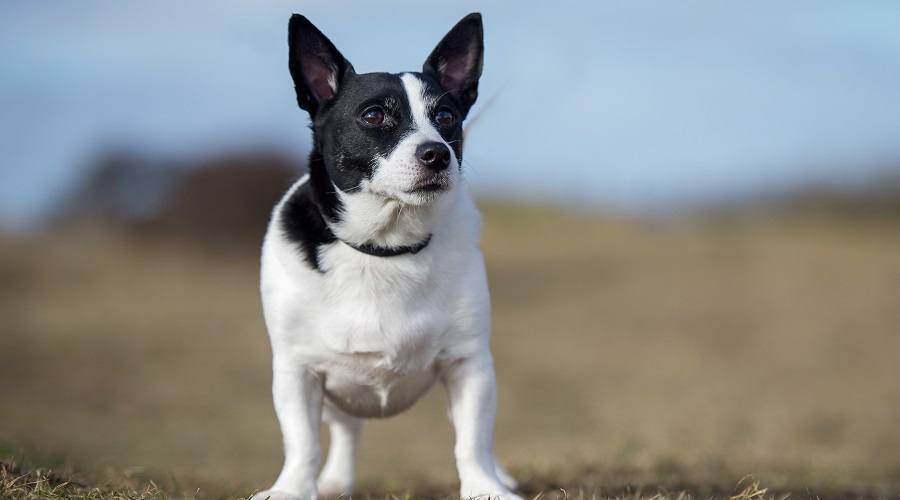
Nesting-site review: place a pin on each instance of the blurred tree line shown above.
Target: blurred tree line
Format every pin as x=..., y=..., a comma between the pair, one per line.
x=218, y=203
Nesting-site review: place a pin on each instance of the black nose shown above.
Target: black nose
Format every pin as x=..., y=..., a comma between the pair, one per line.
x=433, y=155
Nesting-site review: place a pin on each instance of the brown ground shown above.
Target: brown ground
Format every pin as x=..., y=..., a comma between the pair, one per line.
x=681, y=354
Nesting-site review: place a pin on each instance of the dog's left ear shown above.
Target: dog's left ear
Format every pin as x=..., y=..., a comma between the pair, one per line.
x=456, y=61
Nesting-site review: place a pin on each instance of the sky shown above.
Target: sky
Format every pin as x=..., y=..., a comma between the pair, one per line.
x=646, y=104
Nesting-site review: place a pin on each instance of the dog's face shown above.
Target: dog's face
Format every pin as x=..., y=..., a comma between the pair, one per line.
x=393, y=136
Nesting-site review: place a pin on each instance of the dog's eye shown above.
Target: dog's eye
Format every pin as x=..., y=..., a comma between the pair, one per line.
x=373, y=116
x=444, y=117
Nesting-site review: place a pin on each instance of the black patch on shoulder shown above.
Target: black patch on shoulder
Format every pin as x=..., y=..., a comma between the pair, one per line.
x=303, y=223
x=323, y=192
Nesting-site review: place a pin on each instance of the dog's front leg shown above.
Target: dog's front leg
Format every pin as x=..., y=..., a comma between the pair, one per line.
x=298, y=394
x=472, y=392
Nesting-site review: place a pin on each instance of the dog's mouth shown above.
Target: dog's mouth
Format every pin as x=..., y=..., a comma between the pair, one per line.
x=430, y=186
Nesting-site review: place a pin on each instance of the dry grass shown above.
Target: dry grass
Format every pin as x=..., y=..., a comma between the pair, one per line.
x=38, y=484
x=634, y=359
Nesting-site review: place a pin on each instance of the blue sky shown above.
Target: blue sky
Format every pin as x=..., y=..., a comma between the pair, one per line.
x=622, y=105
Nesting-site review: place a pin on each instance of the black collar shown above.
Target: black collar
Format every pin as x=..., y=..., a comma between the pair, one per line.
x=379, y=251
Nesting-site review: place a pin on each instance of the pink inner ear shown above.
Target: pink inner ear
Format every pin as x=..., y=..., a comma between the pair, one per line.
x=455, y=71
x=320, y=77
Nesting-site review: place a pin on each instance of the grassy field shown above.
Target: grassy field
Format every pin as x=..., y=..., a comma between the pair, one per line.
x=634, y=358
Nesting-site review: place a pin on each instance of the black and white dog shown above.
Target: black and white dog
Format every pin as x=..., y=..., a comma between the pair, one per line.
x=373, y=283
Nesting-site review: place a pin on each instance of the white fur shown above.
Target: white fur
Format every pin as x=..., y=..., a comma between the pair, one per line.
x=369, y=335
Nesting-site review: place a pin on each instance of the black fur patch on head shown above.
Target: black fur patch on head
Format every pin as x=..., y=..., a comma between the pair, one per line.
x=348, y=146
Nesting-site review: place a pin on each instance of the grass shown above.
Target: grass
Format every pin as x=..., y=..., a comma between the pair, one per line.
x=634, y=358
x=20, y=482
x=34, y=484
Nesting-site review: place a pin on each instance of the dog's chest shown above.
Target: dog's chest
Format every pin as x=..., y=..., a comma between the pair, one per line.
x=381, y=340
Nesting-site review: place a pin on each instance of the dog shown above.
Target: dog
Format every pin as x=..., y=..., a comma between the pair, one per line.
x=373, y=283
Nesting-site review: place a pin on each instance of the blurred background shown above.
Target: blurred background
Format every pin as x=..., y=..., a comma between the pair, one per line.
x=692, y=232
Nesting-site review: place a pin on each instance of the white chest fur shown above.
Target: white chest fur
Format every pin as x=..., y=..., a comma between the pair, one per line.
x=380, y=337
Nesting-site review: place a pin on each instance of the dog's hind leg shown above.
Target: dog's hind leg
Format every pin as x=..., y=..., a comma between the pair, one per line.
x=338, y=474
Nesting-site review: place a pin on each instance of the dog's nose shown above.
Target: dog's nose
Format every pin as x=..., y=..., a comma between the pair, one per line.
x=433, y=155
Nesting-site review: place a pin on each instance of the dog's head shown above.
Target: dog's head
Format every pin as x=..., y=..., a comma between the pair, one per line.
x=397, y=136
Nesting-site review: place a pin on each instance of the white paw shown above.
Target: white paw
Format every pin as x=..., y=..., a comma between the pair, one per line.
x=330, y=487
x=487, y=492
x=273, y=494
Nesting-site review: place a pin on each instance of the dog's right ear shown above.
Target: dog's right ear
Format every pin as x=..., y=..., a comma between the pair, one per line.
x=456, y=61
x=316, y=65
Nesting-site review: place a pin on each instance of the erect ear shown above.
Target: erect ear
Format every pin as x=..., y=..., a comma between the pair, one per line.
x=456, y=61
x=316, y=65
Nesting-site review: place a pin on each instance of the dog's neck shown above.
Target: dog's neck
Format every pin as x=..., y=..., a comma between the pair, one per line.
x=364, y=218
x=373, y=219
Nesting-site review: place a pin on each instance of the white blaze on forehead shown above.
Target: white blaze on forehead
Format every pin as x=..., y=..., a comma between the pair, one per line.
x=420, y=105
x=397, y=175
